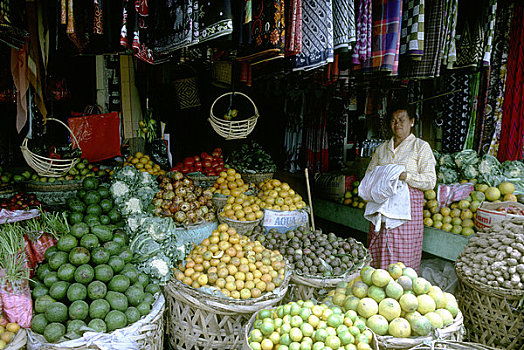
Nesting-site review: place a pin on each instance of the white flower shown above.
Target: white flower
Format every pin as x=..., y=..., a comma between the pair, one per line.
x=161, y=266
x=119, y=189
x=133, y=205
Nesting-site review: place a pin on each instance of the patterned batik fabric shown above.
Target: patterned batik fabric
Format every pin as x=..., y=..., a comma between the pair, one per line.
x=362, y=49
x=489, y=28
x=429, y=65
x=457, y=110
x=449, y=45
x=216, y=19
x=474, y=103
x=344, y=28
x=293, y=28
x=175, y=25
x=412, y=35
x=470, y=46
x=387, y=15
x=497, y=78
x=317, y=35
x=511, y=141
x=134, y=30
x=264, y=33
x=403, y=243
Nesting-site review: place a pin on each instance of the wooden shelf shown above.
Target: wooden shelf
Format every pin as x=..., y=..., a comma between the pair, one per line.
x=443, y=244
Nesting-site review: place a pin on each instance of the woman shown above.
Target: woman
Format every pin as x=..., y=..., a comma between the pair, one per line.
x=404, y=243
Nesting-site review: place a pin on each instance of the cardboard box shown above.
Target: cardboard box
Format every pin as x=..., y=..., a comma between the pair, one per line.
x=332, y=186
x=488, y=215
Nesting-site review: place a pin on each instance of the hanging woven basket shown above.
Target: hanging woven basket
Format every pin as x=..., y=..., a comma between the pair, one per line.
x=229, y=129
x=47, y=166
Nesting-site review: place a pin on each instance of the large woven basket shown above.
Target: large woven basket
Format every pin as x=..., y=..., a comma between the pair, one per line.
x=19, y=341
x=452, y=345
x=202, y=180
x=249, y=328
x=491, y=315
x=242, y=227
x=149, y=335
x=201, y=321
x=46, y=166
x=453, y=332
x=256, y=178
x=53, y=187
x=233, y=129
x=219, y=202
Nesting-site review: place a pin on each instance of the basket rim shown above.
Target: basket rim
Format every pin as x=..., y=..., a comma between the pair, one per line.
x=237, y=222
x=233, y=93
x=487, y=289
x=68, y=129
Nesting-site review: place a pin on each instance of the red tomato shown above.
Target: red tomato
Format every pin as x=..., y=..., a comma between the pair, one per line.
x=204, y=155
x=196, y=159
x=184, y=170
x=221, y=161
x=206, y=163
x=198, y=163
x=188, y=161
x=198, y=168
x=211, y=173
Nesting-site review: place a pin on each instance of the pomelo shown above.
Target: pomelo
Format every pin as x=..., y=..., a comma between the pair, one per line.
x=380, y=278
x=446, y=316
x=510, y=198
x=420, y=285
x=425, y=304
x=506, y=188
x=389, y=308
x=408, y=271
x=405, y=282
x=439, y=297
x=435, y=319
x=481, y=187
x=421, y=325
x=366, y=273
x=492, y=194
x=360, y=289
x=395, y=270
x=400, y=328
x=411, y=315
x=478, y=196
x=351, y=303
x=394, y=290
x=376, y=293
x=378, y=324
x=408, y=302
x=367, y=307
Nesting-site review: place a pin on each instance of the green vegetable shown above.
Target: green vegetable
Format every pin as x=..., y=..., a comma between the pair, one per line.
x=466, y=157
x=513, y=169
x=251, y=158
x=447, y=175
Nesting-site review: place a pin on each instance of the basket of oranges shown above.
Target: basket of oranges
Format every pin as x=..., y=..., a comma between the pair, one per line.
x=228, y=184
x=243, y=213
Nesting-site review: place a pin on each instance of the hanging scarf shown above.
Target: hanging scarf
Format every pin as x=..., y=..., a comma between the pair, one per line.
x=474, y=103
x=33, y=60
x=429, y=65
x=511, y=141
x=497, y=78
x=344, y=29
x=98, y=24
x=449, y=45
x=412, y=36
x=293, y=28
x=19, y=72
x=317, y=33
x=489, y=28
x=294, y=112
x=133, y=33
x=387, y=15
x=216, y=19
x=362, y=50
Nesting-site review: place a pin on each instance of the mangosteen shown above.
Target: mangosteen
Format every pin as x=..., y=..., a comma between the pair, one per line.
x=308, y=262
x=313, y=269
x=328, y=260
x=337, y=271
x=335, y=262
x=345, y=259
x=306, y=251
x=354, y=252
x=341, y=251
x=300, y=264
x=273, y=241
x=335, y=244
x=346, y=246
x=290, y=234
x=290, y=251
x=295, y=245
x=298, y=256
x=305, y=271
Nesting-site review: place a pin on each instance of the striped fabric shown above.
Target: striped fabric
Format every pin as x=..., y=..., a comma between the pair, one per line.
x=412, y=36
x=489, y=28
x=449, y=45
x=344, y=28
x=386, y=35
x=362, y=51
x=401, y=244
x=512, y=132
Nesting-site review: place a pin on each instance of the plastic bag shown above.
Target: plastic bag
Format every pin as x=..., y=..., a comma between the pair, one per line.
x=158, y=153
x=40, y=242
x=98, y=135
x=441, y=273
x=18, y=307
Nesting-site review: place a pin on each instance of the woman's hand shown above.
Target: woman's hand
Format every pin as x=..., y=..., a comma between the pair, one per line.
x=403, y=176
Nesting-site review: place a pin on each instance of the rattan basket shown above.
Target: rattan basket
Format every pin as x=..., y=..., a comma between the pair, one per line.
x=149, y=335
x=233, y=129
x=219, y=201
x=249, y=328
x=491, y=315
x=202, y=180
x=46, y=166
x=256, y=178
x=53, y=187
x=202, y=321
x=242, y=227
x=453, y=332
x=451, y=345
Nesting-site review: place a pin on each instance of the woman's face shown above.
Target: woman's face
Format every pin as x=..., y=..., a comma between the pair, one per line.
x=401, y=124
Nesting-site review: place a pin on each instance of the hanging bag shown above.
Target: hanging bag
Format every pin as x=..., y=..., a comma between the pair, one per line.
x=186, y=88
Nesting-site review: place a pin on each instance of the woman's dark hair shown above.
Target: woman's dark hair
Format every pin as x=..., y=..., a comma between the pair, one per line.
x=410, y=109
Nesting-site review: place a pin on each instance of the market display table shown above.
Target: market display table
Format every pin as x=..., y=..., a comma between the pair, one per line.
x=443, y=244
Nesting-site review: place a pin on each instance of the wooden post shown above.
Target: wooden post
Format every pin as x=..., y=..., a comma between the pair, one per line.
x=310, y=200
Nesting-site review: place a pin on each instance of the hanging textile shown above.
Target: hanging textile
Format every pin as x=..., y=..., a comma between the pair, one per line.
x=429, y=65
x=20, y=72
x=133, y=30
x=482, y=104
x=474, y=103
x=489, y=29
x=98, y=24
x=449, y=45
x=294, y=111
x=385, y=45
x=362, y=49
x=457, y=111
x=412, y=36
x=336, y=129
x=216, y=19
x=470, y=46
x=264, y=35
x=317, y=35
x=33, y=60
x=511, y=141
x=497, y=78
x=174, y=24
x=315, y=132
x=293, y=28
x=344, y=28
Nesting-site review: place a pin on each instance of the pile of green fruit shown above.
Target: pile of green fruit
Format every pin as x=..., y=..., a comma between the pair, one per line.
x=87, y=281
x=93, y=205
x=396, y=302
x=306, y=325
x=251, y=158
